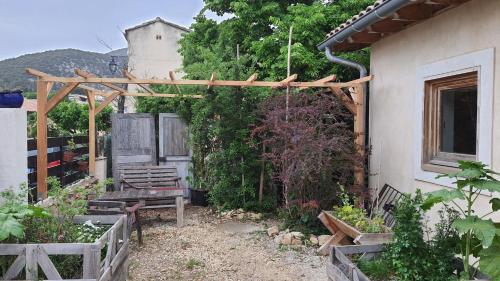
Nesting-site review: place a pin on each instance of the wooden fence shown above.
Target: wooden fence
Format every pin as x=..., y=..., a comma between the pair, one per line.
x=106, y=259
x=67, y=171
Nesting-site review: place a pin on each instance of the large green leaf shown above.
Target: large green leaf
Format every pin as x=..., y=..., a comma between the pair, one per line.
x=495, y=204
x=484, y=230
x=441, y=196
x=9, y=226
x=490, y=185
x=490, y=260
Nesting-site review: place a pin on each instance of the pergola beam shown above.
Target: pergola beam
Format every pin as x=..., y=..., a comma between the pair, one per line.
x=87, y=76
x=224, y=83
x=172, y=77
x=45, y=82
x=212, y=80
x=346, y=101
x=286, y=82
x=63, y=92
x=145, y=87
x=323, y=80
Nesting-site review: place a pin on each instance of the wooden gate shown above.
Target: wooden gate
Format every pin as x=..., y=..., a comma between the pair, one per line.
x=174, y=148
x=133, y=141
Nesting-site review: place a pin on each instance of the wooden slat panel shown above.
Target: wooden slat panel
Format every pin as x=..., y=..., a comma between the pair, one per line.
x=154, y=175
x=47, y=266
x=15, y=268
x=148, y=168
x=152, y=180
x=133, y=143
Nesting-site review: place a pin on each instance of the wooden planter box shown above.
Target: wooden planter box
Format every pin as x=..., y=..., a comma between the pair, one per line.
x=341, y=268
x=114, y=265
x=345, y=234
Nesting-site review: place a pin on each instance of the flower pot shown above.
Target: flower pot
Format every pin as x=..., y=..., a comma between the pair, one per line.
x=68, y=156
x=83, y=166
x=11, y=99
x=199, y=197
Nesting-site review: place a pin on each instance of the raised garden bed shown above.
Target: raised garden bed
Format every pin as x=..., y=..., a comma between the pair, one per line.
x=342, y=268
x=105, y=259
x=345, y=234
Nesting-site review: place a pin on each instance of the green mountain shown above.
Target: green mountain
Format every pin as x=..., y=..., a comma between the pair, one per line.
x=56, y=62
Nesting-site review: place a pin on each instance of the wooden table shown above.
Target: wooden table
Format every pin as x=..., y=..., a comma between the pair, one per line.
x=142, y=195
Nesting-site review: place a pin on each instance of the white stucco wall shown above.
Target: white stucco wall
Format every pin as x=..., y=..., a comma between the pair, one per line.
x=13, y=148
x=395, y=61
x=149, y=57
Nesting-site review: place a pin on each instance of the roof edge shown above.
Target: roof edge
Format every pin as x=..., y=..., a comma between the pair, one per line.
x=157, y=19
x=372, y=14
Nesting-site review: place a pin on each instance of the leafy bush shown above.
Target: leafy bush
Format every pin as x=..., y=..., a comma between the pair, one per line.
x=480, y=237
x=24, y=223
x=413, y=258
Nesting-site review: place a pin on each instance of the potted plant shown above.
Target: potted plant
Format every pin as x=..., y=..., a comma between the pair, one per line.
x=11, y=99
x=83, y=164
x=353, y=223
x=199, y=195
x=69, y=154
x=479, y=235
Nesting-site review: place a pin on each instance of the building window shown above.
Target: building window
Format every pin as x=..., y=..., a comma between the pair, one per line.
x=158, y=37
x=450, y=121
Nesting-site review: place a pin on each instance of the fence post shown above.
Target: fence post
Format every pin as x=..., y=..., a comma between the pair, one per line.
x=31, y=262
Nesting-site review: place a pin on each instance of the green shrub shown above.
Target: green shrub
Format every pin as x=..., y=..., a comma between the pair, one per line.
x=413, y=258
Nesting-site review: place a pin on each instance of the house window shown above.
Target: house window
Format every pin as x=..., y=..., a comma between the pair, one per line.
x=450, y=122
x=158, y=37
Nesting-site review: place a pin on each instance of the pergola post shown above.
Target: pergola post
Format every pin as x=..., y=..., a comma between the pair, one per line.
x=359, y=131
x=42, y=89
x=92, y=132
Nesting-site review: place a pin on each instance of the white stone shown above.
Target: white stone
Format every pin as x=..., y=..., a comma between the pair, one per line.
x=287, y=239
x=322, y=239
x=297, y=234
x=313, y=239
x=273, y=230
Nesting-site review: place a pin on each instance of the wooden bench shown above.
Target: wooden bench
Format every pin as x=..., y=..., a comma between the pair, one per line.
x=149, y=177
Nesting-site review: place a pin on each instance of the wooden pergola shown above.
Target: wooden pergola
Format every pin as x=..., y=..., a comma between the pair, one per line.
x=45, y=82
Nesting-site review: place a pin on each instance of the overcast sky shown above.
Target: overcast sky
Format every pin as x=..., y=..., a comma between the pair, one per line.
x=28, y=26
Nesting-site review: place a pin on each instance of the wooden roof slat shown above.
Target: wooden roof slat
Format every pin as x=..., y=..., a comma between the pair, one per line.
x=322, y=80
x=172, y=77
x=212, y=80
x=88, y=75
x=145, y=87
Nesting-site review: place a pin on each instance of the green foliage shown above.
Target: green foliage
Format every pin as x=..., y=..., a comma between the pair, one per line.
x=14, y=211
x=225, y=158
x=472, y=179
x=357, y=217
x=70, y=118
x=24, y=223
x=377, y=269
x=413, y=258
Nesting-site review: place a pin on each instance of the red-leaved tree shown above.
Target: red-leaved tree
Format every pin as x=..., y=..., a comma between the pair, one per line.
x=310, y=145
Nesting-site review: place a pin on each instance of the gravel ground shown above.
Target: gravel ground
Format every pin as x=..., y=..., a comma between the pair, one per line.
x=212, y=248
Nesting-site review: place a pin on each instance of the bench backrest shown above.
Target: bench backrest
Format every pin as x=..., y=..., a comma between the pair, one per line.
x=149, y=177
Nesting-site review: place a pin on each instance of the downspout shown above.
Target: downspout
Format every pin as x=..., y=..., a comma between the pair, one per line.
x=349, y=63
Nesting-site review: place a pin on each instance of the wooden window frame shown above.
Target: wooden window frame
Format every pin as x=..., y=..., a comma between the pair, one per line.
x=433, y=159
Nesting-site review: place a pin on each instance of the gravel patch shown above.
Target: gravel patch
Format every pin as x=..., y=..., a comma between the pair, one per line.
x=212, y=248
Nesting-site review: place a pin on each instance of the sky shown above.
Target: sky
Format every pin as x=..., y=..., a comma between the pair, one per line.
x=29, y=26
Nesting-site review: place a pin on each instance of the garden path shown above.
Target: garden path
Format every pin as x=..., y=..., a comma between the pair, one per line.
x=213, y=248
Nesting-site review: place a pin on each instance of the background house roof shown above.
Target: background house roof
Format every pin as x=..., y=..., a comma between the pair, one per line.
x=414, y=12
x=158, y=19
